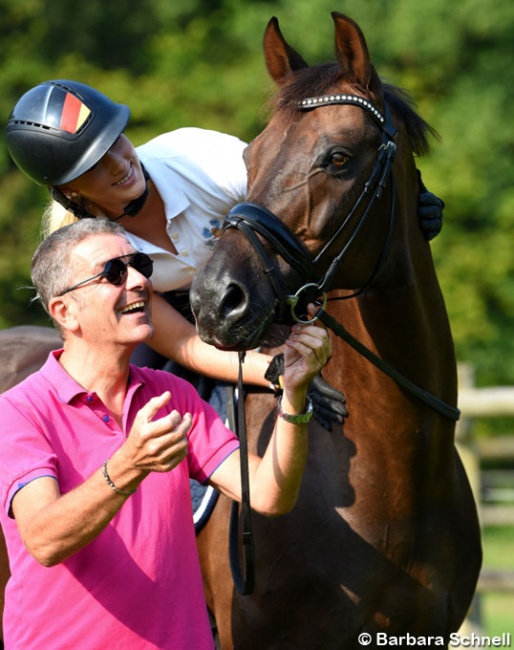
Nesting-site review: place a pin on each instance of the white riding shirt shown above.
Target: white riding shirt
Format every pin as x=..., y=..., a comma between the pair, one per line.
x=200, y=175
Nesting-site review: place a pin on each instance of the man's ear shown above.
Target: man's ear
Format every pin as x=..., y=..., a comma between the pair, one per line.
x=63, y=310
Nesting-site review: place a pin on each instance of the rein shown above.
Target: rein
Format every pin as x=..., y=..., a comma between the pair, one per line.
x=444, y=409
x=250, y=219
x=244, y=582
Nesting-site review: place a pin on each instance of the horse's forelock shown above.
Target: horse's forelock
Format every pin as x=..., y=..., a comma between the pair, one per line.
x=307, y=82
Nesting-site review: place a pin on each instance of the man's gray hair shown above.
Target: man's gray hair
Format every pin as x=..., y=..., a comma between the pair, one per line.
x=51, y=267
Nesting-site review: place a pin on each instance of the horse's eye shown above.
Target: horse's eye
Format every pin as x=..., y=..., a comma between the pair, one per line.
x=336, y=161
x=339, y=159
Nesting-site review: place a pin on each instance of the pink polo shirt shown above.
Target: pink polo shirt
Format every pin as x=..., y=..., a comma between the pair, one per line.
x=138, y=584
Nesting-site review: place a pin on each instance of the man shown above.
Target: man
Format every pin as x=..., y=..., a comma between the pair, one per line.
x=97, y=456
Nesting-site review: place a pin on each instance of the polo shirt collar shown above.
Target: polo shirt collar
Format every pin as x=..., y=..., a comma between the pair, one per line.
x=65, y=386
x=168, y=185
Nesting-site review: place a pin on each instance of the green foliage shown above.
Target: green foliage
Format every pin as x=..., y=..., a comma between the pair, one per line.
x=199, y=62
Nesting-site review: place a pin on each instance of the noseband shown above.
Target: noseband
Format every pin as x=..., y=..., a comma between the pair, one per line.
x=251, y=218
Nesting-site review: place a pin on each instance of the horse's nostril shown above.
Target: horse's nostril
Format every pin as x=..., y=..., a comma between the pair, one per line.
x=233, y=299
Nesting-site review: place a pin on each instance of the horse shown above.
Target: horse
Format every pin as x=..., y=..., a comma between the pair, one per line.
x=384, y=538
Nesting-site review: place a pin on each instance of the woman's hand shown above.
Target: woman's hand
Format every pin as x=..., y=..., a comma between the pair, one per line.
x=307, y=351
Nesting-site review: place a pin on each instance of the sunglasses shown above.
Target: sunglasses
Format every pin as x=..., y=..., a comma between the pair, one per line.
x=115, y=271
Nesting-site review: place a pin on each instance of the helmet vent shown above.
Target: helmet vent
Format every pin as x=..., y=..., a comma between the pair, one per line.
x=36, y=124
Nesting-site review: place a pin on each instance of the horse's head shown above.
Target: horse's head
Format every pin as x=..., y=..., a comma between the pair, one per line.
x=324, y=165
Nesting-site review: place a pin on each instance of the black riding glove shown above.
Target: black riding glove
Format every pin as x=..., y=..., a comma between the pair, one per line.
x=329, y=405
x=430, y=211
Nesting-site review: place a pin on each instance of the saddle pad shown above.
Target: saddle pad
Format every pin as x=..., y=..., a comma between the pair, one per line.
x=203, y=500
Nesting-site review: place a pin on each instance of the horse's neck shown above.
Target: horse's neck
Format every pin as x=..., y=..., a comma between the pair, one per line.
x=406, y=325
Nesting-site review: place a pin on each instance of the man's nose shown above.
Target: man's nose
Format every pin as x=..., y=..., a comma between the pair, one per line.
x=135, y=279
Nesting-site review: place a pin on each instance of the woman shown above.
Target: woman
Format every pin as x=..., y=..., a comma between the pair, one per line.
x=170, y=194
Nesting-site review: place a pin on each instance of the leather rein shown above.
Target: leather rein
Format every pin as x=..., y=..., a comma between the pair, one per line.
x=253, y=220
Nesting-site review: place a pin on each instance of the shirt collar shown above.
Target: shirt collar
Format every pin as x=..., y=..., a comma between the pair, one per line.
x=67, y=388
x=168, y=185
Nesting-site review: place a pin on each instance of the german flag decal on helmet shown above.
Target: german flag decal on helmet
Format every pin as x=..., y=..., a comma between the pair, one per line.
x=74, y=114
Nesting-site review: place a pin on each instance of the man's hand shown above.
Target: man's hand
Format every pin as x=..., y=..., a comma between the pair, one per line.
x=157, y=445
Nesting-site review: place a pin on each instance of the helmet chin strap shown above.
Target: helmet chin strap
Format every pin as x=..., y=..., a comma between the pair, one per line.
x=134, y=207
x=130, y=210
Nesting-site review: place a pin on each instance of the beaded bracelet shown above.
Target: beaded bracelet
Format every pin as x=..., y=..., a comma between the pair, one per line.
x=125, y=493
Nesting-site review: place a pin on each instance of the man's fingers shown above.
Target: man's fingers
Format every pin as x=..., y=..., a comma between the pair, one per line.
x=148, y=426
x=153, y=406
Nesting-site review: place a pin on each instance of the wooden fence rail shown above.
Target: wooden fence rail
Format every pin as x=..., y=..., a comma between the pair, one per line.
x=486, y=402
x=494, y=488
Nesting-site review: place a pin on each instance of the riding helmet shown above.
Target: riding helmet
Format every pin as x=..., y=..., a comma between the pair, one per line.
x=60, y=129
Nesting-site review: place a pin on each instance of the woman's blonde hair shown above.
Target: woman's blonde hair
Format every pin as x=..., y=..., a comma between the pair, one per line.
x=54, y=217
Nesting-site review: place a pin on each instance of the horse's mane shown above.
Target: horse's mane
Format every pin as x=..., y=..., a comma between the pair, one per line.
x=317, y=80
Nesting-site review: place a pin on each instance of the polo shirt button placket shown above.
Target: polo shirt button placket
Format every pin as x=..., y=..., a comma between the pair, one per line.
x=109, y=421
x=90, y=399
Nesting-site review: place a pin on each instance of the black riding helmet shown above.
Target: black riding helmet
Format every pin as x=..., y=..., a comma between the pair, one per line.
x=60, y=129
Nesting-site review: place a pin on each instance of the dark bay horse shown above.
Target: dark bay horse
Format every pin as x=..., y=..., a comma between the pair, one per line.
x=385, y=536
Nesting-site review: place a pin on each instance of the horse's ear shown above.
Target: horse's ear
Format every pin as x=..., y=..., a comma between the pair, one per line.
x=352, y=53
x=281, y=59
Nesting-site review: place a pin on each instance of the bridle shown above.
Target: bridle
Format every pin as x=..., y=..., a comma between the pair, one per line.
x=252, y=220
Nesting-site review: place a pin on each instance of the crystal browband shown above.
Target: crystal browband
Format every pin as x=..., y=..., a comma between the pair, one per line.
x=327, y=100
